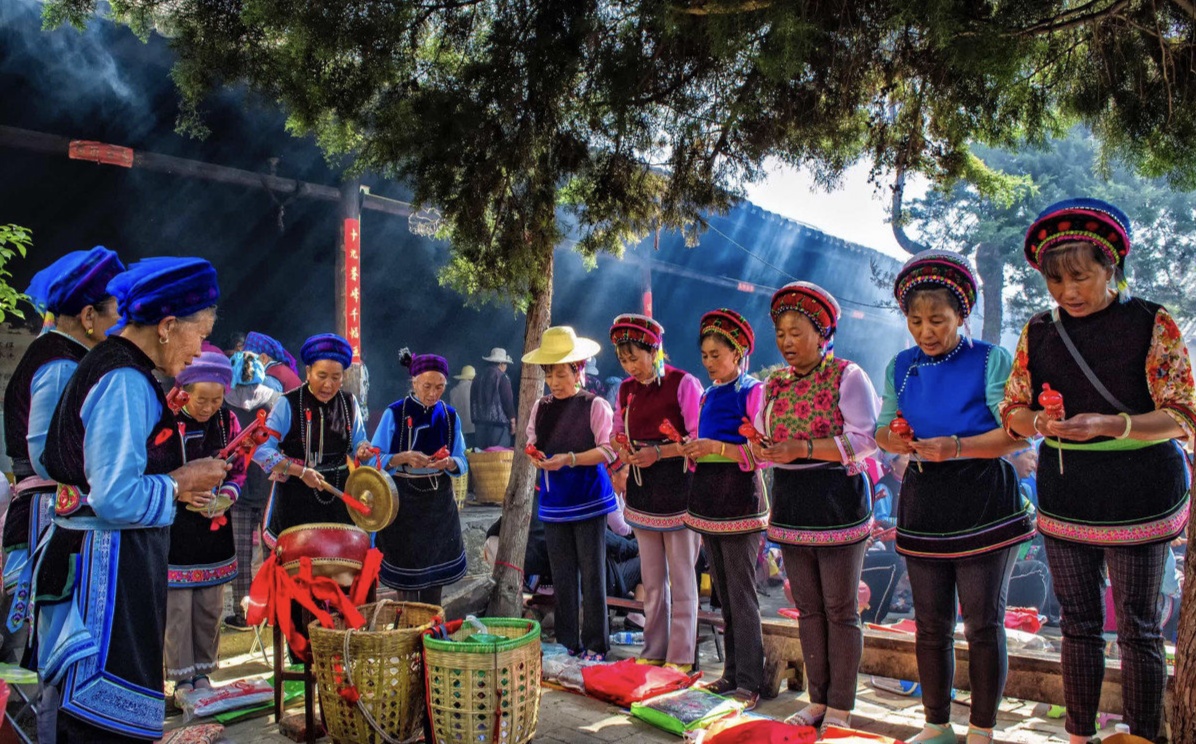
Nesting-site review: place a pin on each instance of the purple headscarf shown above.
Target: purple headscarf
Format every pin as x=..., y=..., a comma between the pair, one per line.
x=210, y=366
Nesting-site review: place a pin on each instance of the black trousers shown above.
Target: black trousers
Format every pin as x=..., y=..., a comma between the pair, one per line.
x=1136, y=573
x=980, y=583
x=577, y=554
x=1030, y=586
x=428, y=595
x=733, y=573
x=71, y=730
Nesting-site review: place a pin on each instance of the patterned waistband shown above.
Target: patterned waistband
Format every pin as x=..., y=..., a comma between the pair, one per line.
x=654, y=522
x=730, y=526
x=820, y=537
x=1166, y=527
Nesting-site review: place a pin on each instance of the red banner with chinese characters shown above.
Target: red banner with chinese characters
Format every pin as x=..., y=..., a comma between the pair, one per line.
x=353, y=286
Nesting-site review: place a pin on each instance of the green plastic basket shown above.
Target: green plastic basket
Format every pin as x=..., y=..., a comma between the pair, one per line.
x=485, y=693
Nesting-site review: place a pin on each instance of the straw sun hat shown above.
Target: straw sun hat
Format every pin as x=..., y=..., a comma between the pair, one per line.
x=561, y=345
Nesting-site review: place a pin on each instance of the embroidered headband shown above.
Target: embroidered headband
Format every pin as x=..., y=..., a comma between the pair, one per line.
x=812, y=301
x=1086, y=220
x=937, y=269
x=732, y=326
x=631, y=327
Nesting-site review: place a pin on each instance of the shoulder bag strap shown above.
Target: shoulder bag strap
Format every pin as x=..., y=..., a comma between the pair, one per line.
x=1075, y=354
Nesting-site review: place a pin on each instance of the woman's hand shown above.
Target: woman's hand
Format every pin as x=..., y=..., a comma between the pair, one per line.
x=1083, y=427
x=645, y=457
x=701, y=448
x=200, y=475
x=312, y=478
x=556, y=462
x=365, y=451
x=411, y=459
x=782, y=452
x=198, y=499
x=896, y=445
x=935, y=449
x=447, y=463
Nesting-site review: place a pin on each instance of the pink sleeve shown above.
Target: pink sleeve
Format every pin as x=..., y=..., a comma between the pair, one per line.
x=615, y=519
x=531, y=422
x=689, y=397
x=859, y=406
x=755, y=409
x=617, y=426
x=601, y=420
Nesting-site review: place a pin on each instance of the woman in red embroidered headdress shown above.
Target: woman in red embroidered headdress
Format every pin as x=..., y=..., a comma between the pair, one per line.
x=657, y=492
x=1120, y=493
x=727, y=504
x=819, y=416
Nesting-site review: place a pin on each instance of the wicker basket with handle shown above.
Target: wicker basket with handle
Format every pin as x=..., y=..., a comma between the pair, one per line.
x=491, y=471
x=485, y=693
x=371, y=680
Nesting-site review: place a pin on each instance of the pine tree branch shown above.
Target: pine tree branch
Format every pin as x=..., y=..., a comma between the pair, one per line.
x=1073, y=18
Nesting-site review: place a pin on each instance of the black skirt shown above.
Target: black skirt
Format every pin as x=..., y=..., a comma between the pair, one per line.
x=660, y=503
x=819, y=506
x=293, y=503
x=724, y=500
x=960, y=508
x=1124, y=497
x=199, y=555
x=423, y=546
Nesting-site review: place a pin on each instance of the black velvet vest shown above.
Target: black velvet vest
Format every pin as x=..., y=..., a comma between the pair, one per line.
x=18, y=397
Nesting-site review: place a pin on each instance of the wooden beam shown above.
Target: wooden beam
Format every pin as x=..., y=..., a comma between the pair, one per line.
x=52, y=144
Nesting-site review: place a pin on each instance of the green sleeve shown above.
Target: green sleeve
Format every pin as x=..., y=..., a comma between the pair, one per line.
x=996, y=374
x=888, y=404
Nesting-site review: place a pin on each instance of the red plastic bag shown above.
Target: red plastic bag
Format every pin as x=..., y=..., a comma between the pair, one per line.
x=626, y=682
x=851, y=736
x=758, y=731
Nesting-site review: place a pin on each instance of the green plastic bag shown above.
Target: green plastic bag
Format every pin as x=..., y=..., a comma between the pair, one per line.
x=685, y=710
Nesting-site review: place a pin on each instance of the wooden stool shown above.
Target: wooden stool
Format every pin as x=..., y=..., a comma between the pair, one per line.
x=782, y=657
x=282, y=675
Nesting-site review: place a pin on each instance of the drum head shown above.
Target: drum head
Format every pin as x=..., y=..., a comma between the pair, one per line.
x=376, y=490
x=217, y=505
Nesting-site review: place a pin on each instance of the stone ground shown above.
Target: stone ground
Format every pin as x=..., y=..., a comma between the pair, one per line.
x=567, y=717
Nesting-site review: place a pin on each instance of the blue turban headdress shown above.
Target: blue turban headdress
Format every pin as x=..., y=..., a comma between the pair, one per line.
x=260, y=343
x=78, y=279
x=327, y=346
x=157, y=288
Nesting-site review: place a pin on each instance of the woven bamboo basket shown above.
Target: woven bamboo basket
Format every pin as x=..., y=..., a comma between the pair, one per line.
x=485, y=693
x=491, y=471
x=461, y=489
x=383, y=663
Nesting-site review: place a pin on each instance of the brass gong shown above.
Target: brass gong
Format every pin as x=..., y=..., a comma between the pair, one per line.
x=376, y=490
x=218, y=504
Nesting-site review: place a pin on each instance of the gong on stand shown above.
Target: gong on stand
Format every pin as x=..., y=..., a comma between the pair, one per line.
x=376, y=490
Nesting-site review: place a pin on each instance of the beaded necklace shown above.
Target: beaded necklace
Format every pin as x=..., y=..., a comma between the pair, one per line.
x=410, y=431
x=913, y=370
x=314, y=459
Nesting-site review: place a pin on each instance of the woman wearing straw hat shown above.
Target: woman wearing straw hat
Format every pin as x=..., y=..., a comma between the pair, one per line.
x=422, y=550
x=819, y=416
x=571, y=427
x=1113, y=485
x=658, y=492
x=727, y=503
x=960, y=515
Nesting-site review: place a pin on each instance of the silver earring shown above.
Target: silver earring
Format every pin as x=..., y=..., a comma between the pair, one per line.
x=163, y=340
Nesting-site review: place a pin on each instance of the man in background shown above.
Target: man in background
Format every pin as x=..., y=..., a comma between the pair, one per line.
x=491, y=403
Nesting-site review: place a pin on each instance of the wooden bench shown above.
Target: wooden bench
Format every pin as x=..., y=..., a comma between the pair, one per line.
x=1033, y=675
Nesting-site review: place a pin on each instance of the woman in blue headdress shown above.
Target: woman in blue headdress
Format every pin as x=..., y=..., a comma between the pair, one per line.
x=74, y=291
x=321, y=427
x=422, y=550
x=100, y=576
x=282, y=374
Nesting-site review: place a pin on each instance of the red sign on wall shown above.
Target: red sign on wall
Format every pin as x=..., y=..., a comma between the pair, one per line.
x=353, y=286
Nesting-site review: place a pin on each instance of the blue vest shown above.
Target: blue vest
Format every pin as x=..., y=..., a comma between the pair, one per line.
x=945, y=396
x=429, y=429
x=723, y=409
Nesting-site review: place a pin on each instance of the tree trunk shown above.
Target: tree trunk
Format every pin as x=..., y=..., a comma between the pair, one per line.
x=506, y=598
x=1182, y=715
x=990, y=265
x=897, y=213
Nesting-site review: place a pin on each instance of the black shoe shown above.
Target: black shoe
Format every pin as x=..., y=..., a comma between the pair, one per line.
x=236, y=622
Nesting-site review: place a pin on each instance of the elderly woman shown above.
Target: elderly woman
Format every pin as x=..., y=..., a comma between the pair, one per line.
x=819, y=416
x=1112, y=481
x=727, y=504
x=74, y=290
x=203, y=557
x=658, y=492
x=571, y=427
x=281, y=372
x=421, y=443
x=321, y=427
x=960, y=515
x=101, y=575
